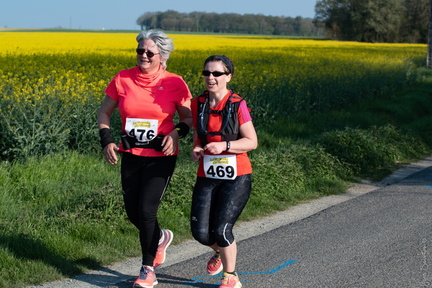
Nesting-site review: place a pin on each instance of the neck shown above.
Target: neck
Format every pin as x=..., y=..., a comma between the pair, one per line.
x=215, y=98
x=149, y=71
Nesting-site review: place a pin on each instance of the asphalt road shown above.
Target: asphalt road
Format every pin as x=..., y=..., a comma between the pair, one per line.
x=375, y=235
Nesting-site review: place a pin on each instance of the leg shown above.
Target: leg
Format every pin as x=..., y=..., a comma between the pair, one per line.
x=215, y=248
x=202, y=211
x=144, y=181
x=229, y=257
x=232, y=198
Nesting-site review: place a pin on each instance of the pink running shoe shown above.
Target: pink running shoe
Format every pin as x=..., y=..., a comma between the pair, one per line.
x=230, y=281
x=167, y=237
x=146, y=279
x=214, y=265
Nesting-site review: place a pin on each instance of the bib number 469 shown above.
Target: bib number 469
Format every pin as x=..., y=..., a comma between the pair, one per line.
x=220, y=166
x=221, y=171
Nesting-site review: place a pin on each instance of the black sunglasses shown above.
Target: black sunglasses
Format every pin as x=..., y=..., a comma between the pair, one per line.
x=149, y=54
x=214, y=73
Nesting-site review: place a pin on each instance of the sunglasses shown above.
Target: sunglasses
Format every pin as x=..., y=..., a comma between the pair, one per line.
x=214, y=73
x=149, y=54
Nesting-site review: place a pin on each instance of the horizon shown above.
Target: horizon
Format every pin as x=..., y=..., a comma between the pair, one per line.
x=108, y=15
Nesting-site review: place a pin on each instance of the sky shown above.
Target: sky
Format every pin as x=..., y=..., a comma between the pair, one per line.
x=122, y=14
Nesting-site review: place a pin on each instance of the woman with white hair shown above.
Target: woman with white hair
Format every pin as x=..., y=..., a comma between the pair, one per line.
x=148, y=97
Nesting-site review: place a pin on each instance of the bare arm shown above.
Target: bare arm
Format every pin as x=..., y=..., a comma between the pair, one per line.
x=170, y=142
x=105, y=111
x=197, y=151
x=185, y=113
x=104, y=120
x=247, y=142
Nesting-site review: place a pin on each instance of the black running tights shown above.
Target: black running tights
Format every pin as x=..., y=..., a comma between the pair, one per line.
x=144, y=182
x=216, y=206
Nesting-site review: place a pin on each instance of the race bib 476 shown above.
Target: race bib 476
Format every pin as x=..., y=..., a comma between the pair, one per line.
x=142, y=130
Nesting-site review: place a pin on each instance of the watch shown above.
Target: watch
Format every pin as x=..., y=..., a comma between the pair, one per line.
x=228, y=145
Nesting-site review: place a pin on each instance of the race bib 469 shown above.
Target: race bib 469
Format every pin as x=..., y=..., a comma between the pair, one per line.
x=220, y=166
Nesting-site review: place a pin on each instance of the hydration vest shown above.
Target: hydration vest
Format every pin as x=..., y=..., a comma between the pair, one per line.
x=230, y=129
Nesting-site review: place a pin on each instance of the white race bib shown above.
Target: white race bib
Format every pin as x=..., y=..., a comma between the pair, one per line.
x=143, y=130
x=220, y=166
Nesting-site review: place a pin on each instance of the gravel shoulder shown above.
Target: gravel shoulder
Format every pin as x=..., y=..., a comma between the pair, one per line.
x=120, y=272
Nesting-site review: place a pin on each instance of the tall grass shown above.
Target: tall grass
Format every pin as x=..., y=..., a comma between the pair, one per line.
x=326, y=114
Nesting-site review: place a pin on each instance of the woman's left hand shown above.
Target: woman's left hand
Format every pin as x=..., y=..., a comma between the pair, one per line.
x=216, y=147
x=170, y=143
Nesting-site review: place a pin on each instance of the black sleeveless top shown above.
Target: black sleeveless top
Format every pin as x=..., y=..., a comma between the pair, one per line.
x=230, y=129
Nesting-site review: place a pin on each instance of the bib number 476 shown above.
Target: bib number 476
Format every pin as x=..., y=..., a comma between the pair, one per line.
x=141, y=129
x=141, y=134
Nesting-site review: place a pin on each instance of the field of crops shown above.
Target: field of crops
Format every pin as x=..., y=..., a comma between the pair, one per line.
x=52, y=83
x=61, y=211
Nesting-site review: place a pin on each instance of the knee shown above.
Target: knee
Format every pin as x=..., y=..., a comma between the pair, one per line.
x=202, y=236
x=224, y=236
x=133, y=217
x=140, y=220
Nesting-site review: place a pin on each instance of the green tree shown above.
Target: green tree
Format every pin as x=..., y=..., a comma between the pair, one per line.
x=197, y=18
x=429, y=54
x=147, y=20
x=415, y=24
x=382, y=20
x=228, y=23
x=336, y=17
x=373, y=20
x=186, y=24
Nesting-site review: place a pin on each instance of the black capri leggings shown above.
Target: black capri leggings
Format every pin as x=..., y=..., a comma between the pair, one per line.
x=144, y=182
x=216, y=206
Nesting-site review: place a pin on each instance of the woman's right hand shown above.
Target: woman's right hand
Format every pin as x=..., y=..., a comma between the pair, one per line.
x=110, y=153
x=197, y=153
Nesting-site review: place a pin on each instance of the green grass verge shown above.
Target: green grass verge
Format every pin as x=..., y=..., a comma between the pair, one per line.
x=61, y=215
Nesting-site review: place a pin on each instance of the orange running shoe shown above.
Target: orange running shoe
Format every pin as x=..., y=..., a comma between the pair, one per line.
x=214, y=265
x=230, y=281
x=146, y=278
x=167, y=237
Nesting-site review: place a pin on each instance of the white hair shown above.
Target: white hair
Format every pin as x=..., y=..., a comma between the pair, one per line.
x=162, y=41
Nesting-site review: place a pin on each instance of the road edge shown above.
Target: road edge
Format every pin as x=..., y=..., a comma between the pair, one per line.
x=123, y=271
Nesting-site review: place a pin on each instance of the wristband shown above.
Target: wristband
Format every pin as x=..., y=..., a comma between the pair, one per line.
x=182, y=129
x=228, y=145
x=105, y=137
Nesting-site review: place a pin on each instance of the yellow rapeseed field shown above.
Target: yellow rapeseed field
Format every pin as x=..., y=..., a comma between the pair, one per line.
x=47, y=76
x=65, y=42
x=73, y=64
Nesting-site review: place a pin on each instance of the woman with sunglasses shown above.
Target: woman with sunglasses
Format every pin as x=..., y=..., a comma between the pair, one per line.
x=148, y=97
x=223, y=135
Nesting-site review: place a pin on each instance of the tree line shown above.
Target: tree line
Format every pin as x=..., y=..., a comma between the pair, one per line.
x=229, y=23
x=391, y=21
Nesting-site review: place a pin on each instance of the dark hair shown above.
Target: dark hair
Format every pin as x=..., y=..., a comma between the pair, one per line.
x=222, y=58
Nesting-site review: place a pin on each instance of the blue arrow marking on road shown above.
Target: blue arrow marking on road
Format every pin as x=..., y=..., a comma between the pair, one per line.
x=201, y=279
x=271, y=271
